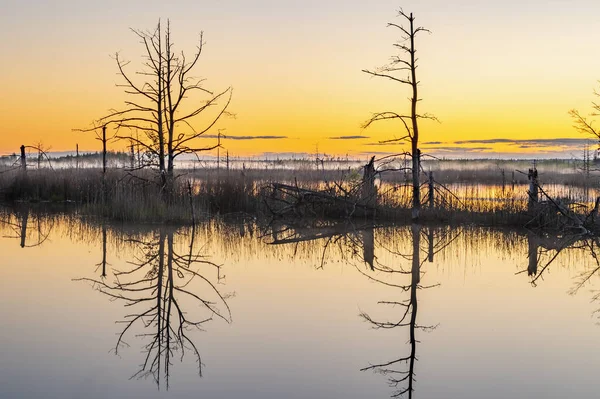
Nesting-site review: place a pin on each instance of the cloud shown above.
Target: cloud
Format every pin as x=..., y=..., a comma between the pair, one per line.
x=459, y=149
x=390, y=143
x=375, y=153
x=531, y=143
x=228, y=137
x=348, y=137
x=286, y=155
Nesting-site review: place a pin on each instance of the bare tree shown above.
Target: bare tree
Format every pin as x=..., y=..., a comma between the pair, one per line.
x=161, y=115
x=585, y=124
x=405, y=63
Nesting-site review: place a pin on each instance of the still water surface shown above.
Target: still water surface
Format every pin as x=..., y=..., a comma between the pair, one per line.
x=337, y=312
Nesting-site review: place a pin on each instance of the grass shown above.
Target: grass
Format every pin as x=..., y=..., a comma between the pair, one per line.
x=136, y=197
x=122, y=196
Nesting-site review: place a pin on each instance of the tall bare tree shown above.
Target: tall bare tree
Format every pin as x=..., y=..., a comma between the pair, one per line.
x=161, y=114
x=405, y=63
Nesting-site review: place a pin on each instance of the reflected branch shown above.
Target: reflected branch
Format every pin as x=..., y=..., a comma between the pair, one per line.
x=159, y=286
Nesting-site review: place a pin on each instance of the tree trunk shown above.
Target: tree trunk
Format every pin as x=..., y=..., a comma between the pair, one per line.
x=23, y=159
x=533, y=189
x=104, y=165
x=369, y=191
x=159, y=115
x=104, y=150
x=431, y=193
x=416, y=153
x=416, y=201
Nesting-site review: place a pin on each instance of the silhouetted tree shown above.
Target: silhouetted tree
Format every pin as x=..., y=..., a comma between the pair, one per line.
x=160, y=106
x=406, y=62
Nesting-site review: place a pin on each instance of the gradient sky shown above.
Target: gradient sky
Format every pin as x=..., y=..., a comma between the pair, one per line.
x=490, y=69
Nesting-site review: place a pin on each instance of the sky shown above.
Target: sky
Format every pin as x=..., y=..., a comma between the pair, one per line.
x=500, y=76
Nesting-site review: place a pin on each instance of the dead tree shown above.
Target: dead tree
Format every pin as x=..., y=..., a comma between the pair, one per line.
x=161, y=105
x=23, y=160
x=534, y=185
x=406, y=62
x=369, y=191
x=431, y=188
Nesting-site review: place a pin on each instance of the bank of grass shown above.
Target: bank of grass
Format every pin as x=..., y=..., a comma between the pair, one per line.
x=123, y=196
x=127, y=197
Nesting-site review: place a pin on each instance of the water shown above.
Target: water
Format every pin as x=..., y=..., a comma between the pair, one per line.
x=294, y=313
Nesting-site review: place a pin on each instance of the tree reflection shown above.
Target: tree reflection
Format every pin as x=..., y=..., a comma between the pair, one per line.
x=31, y=229
x=360, y=243
x=351, y=240
x=159, y=285
x=102, y=265
x=544, y=250
x=401, y=370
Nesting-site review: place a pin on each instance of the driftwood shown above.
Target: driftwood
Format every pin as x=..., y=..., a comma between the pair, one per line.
x=553, y=214
x=286, y=200
x=334, y=200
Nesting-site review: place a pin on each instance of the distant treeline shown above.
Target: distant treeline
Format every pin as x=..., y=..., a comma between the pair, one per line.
x=88, y=157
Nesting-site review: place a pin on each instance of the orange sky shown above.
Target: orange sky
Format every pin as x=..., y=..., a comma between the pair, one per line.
x=489, y=70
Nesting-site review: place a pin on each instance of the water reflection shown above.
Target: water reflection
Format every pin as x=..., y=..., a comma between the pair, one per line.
x=544, y=251
x=358, y=244
x=400, y=377
x=408, y=265
x=37, y=228
x=170, y=284
x=102, y=265
x=168, y=295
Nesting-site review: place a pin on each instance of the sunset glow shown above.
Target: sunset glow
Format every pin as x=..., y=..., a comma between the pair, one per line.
x=489, y=71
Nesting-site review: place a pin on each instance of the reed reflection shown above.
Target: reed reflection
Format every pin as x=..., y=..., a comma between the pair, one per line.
x=158, y=288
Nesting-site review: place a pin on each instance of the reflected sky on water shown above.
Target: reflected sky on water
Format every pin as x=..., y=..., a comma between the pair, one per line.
x=277, y=311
